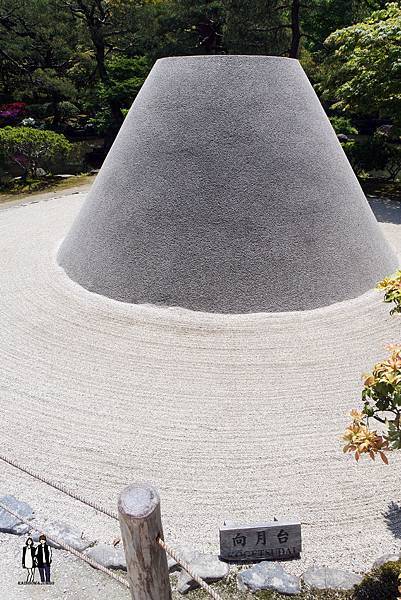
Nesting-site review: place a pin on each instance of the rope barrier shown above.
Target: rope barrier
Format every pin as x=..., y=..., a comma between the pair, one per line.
x=67, y=547
x=188, y=569
x=60, y=488
x=112, y=515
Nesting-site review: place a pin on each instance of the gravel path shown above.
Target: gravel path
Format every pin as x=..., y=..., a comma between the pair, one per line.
x=74, y=580
x=240, y=419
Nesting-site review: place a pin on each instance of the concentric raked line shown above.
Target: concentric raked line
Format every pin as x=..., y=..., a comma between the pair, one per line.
x=109, y=513
x=257, y=401
x=67, y=547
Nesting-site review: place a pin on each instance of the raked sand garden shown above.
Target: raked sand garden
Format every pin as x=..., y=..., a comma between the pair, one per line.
x=277, y=454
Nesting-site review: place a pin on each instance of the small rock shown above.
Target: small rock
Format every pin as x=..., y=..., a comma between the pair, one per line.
x=108, y=556
x=268, y=576
x=172, y=565
x=186, y=553
x=64, y=533
x=324, y=578
x=21, y=529
x=207, y=566
x=10, y=524
x=385, y=559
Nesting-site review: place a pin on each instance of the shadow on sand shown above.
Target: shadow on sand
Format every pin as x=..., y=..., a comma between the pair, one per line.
x=392, y=518
x=385, y=210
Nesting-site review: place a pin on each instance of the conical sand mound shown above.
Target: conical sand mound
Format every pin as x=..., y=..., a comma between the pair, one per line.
x=226, y=190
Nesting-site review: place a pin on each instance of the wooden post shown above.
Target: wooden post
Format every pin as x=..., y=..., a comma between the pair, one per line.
x=140, y=523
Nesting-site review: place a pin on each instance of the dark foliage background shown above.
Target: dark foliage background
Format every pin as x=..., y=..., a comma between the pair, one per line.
x=75, y=66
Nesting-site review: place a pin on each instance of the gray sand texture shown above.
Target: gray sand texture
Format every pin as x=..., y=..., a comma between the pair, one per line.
x=227, y=191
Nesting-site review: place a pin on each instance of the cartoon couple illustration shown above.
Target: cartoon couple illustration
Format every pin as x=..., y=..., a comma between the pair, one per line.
x=40, y=557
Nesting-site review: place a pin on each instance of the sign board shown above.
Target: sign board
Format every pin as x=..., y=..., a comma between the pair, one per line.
x=264, y=541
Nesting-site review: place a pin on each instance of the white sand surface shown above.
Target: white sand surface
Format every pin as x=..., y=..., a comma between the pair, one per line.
x=230, y=416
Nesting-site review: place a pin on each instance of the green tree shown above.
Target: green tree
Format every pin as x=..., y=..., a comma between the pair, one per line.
x=109, y=26
x=37, y=54
x=48, y=61
x=321, y=17
x=31, y=148
x=179, y=27
x=288, y=28
x=84, y=57
x=343, y=125
x=260, y=28
x=363, y=71
x=126, y=76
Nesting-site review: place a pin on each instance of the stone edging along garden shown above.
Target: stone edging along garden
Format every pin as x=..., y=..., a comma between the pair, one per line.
x=265, y=575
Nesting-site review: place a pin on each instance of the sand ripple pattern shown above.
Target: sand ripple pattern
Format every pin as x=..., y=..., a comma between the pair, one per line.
x=230, y=416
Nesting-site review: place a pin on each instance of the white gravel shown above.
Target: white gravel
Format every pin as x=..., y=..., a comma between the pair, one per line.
x=73, y=579
x=230, y=417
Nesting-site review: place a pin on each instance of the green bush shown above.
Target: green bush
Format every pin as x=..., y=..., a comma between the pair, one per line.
x=30, y=148
x=367, y=155
x=393, y=165
x=380, y=584
x=391, y=286
x=374, y=154
x=126, y=76
x=343, y=125
x=362, y=66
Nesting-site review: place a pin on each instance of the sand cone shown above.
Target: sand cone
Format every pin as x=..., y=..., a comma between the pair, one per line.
x=227, y=190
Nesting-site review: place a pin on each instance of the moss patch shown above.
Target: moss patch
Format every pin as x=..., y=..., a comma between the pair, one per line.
x=39, y=187
x=228, y=591
x=380, y=584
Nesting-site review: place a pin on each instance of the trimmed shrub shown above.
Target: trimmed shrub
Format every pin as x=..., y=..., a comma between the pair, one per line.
x=381, y=583
x=30, y=148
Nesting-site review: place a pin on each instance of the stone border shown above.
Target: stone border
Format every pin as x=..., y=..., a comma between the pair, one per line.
x=265, y=575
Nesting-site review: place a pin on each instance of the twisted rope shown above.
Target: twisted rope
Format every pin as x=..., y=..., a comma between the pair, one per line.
x=112, y=515
x=188, y=569
x=59, y=487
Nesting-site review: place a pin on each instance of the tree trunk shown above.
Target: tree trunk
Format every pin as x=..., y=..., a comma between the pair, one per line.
x=295, y=29
x=117, y=117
